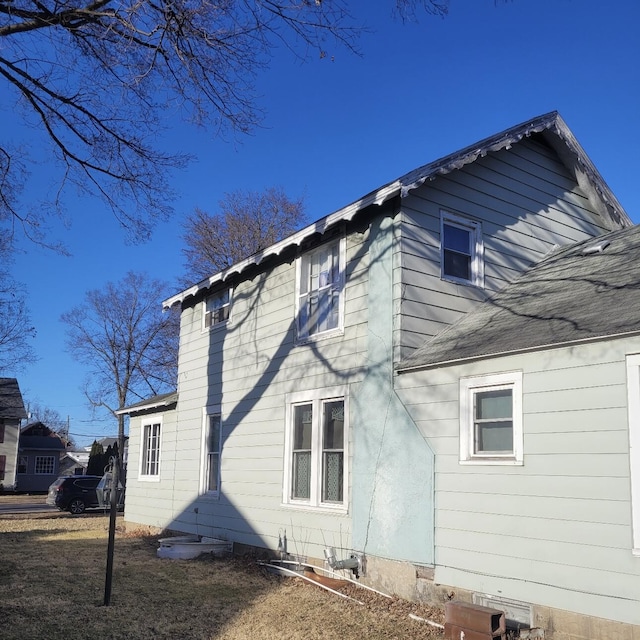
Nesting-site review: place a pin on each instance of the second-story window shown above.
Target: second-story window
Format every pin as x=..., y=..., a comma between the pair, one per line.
x=461, y=250
x=320, y=284
x=217, y=307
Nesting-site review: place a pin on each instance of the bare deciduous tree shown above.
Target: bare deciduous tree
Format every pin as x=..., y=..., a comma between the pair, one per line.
x=15, y=327
x=96, y=78
x=129, y=344
x=246, y=222
x=51, y=418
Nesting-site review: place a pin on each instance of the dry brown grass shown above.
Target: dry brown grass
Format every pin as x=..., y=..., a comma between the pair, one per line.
x=52, y=571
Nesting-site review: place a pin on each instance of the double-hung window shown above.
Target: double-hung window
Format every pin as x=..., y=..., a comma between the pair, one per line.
x=316, y=458
x=461, y=249
x=491, y=419
x=150, y=450
x=217, y=308
x=212, y=449
x=319, y=290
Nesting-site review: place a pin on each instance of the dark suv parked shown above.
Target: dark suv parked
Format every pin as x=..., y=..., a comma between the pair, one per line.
x=74, y=493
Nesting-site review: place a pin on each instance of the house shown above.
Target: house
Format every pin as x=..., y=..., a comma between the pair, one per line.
x=12, y=412
x=296, y=427
x=74, y=463
x=39, y=452
x=532, y=407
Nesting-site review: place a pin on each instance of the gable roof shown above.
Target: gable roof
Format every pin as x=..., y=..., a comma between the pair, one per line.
x=581, y=293
x=551, y=126
x=38, y=436
x=11, y=403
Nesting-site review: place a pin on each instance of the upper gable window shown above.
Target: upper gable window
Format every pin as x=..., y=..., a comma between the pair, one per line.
x=320, y=285
x=217, y=308
x=461, y=249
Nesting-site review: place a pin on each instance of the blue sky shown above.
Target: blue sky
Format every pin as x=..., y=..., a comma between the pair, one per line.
x=339, y=127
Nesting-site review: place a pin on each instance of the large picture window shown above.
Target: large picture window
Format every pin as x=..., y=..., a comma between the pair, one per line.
x=150, y=450
x=45, y=465
x=320, y=285
x=461, y=249
x=316, y=449
x=491, y=419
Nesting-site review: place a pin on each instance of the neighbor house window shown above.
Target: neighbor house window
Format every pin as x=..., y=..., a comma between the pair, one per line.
x=3, y=465
x=22, y=464
x=45, y=465
x=217, y=308
x=150, y=451
x=633, y=408
x=1, y=431
x=461, y=249
x=491, y=419
x=320, y=286
x=316, y=449
x=212, y=437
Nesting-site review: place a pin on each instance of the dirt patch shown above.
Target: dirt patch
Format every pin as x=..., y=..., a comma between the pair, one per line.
x=52, y=572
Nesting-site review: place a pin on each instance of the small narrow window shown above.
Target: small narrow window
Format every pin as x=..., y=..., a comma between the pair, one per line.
x=150, y=462
x=22, y=464
x=461, y=250
x=3, y=464
x=212, y=453
x=217, y=308
x=1, y=431
x=491, y=419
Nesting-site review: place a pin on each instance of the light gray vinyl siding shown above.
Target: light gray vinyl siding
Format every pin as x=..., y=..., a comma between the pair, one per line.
x=247, y=367
x=526, y=202
x=555, y=531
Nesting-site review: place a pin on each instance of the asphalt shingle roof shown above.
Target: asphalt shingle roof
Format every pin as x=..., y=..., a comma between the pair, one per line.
x=11, y=403
x=569, y=297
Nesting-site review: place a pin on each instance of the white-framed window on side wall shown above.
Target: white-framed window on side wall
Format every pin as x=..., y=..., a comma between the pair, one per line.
x=491, y=423
x=211, y=451
x=217, y=309
x=150, y=447
x=461, y=249
x=316, y=445
x=319, y=288
x=633, y=408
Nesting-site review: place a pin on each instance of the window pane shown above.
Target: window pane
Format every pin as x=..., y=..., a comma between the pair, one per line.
x=457, y=239
x=457, y=265
x=332, y=473
x=213, y=464
x=492, y=405
x=333, y=437
x=494, y=436
x=213, y=443
x=301, y=475
x=302, y=427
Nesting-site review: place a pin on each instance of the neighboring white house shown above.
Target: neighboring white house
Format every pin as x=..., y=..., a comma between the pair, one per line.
x=291, y=430
x=12, y=413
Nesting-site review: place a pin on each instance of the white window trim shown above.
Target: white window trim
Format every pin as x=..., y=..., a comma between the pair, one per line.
x=477, y=256
x=217, y=325
x=315, y=502
x=146, y=422
x=207, y=412
x=478, y=383
x=633, y=407
x=342, y=250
